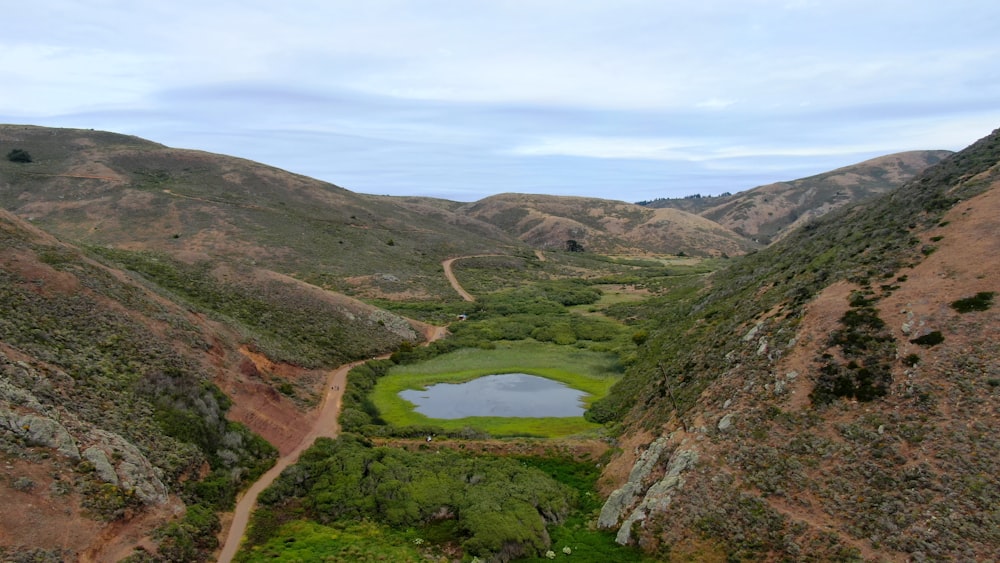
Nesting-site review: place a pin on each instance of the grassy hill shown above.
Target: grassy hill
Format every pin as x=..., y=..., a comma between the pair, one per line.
x=766, y=213
x=832, y=396
x=605, y=226
x=112, y=190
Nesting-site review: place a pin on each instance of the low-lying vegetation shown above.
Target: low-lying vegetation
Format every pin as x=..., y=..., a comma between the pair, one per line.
x=280, y=321
x=485, y=506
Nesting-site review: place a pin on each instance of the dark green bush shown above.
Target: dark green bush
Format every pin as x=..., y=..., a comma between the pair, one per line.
x=930, y=339
x=981, y=301
x=19, y=155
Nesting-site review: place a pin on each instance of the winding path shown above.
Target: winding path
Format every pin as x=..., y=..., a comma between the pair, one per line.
x=325, y=426
x=450, y=274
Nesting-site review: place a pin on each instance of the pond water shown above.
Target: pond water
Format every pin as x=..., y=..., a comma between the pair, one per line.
x=506, y=395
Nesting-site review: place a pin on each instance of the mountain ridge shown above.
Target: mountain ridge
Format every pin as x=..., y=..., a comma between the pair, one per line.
x=767, y=212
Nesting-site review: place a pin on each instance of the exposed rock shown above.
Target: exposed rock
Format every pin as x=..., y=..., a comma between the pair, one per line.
x=102, y=466
x=725, y=422
x=753, y=332
x=624, y=497
x=134, y=472
x=659, y=496
x=40, y=431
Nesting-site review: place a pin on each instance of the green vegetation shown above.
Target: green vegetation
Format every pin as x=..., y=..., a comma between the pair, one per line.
x=19, y=155
x=347, y=542
x=102, y=357
x=867, y=351
x=485, y=505
x=576, y=533
x=282, y=321
x=981, y=301
x=932, y=338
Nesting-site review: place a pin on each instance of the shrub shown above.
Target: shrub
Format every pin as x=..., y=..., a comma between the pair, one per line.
x=981, y=301
x=929, y=339
x=19, y=155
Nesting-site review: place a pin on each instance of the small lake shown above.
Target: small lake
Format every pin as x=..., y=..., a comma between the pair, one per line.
x=511, y=395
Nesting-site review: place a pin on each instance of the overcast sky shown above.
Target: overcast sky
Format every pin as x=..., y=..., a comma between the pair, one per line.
x=461, y=99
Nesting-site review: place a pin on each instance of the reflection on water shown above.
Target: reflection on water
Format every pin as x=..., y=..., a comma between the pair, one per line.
x=507, y=395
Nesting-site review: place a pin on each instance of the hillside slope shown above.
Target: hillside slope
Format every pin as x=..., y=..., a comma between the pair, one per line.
x=133, y=401
x=765, y=213
x=109, y=424
x=833, y=396
x=105, y=189
x=605, y=226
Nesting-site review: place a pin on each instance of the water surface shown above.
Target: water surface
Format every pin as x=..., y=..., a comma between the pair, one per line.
x=511, y=395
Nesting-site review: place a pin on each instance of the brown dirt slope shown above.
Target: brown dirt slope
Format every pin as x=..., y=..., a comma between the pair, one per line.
x=765, y=213
x=850, y=420
x=605, y=226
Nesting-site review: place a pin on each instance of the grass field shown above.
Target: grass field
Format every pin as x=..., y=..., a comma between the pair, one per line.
x=587, y=371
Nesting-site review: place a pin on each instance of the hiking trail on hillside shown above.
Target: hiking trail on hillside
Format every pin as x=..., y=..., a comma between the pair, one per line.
x=325, y=426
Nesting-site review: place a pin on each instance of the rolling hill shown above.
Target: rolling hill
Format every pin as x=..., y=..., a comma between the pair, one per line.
x=605, y=226
x=766, y=213
x=832, y=396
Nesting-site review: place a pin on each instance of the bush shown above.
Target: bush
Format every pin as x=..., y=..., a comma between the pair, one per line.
x=981, y=301
x=929, y=339
x=19, y=155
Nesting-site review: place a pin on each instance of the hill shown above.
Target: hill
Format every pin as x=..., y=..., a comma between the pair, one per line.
x=766, y=213
x=605, y=226
x=110, y=190
x=832, y=396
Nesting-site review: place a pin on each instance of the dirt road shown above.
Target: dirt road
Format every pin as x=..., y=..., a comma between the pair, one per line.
x=450, y=274
x=325, y=426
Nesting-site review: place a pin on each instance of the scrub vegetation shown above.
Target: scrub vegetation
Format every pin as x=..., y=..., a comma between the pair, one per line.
x=376, y=503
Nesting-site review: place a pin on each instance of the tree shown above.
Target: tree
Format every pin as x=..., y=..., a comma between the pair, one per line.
x=18, y=155
x=573, y=246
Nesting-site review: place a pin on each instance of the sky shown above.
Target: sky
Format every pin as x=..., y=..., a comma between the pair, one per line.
x=628, y=100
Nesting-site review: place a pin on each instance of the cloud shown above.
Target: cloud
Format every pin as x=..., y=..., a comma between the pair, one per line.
x=449, y=97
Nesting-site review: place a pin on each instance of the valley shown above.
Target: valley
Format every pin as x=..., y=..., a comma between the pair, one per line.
x=201, y=359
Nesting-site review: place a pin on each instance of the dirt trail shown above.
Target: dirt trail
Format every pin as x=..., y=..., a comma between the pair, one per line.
x=325, y=426
x=450, y=274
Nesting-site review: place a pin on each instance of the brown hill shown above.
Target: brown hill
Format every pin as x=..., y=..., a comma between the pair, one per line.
x=605, y=226
x=104, y=189
x=832, y=397
x=109, y=425
x=765, y=213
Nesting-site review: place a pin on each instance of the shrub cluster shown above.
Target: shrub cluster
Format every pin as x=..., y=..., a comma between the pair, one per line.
x=498, y=505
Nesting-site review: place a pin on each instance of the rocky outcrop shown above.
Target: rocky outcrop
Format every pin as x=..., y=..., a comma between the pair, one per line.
x=132, y=471
x=37, y=430
x=27, y=416
x=654, y=497
x=660, y=494
x=621, y=499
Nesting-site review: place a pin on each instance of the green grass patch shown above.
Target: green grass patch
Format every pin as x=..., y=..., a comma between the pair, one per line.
x=591, y=372
x=302, y=540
